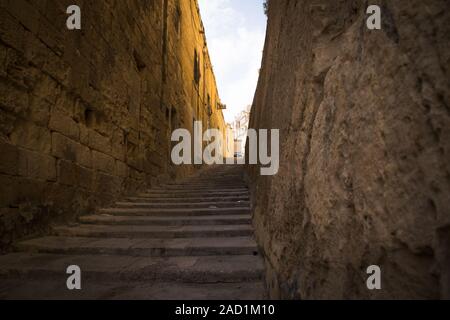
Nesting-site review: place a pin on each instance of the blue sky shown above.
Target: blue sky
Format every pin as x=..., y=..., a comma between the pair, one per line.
x=235, y=31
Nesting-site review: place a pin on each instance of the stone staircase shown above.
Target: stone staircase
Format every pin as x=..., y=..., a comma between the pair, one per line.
x=192, y=240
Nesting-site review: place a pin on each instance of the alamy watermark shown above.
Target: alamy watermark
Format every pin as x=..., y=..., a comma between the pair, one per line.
x=74, y=20
x=374, y=280
x=189, y=150
x=374, y=20
x=74, y=280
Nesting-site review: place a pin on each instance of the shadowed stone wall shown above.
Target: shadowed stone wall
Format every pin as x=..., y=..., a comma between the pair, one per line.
x=365, y=149
x=86, y=115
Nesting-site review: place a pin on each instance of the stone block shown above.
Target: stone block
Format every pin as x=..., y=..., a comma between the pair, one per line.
x=18, y=70
x=121, y=169
x=99, y=142
x=13, y=98
x=64, y=124
x=84, y=134
x=155, y=158
x=11, y=32
x=133, y=137
x=39, y=111
x=31, y=136
x=103, y=162
x=68, y=149
x=67, y=173
x=48, y=89
x=118, y=149
x=9, y=158
x=137, y=175
x=24, y=12
x=107, y=184
x=135, y=163
x=15, y=190
x=40, y=166
x=85, y=178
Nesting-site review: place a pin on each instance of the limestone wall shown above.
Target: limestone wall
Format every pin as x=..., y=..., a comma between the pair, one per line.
x=86, y=115
x=365, y=149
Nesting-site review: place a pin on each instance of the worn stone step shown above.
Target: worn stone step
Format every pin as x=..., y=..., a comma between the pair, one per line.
x=189, y=189
x=200, y=188
x=175, y=211
x=210, y=181
x=166, y=221
x=188, y=240
x=216, y=176
x=204, y=186
x=213, y=179
x=18, y=289
x=141, y=247
x=188, y=193
x=160, y=232
x=213, y=204
x=189, y=199
x=195, y=269
x=217, y=184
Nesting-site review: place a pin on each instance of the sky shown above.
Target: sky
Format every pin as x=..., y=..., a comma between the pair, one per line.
x=235, y=32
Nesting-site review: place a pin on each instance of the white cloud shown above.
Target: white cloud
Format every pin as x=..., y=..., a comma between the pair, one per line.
x=235, y=47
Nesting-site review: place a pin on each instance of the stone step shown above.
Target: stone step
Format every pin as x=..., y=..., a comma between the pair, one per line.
x=213, y=178
x=189, y=193
x=195, y=269
x=166, y=221
x=188, y=189
x=174, y=211
x=220, y=184
x=203, y=186
x=199, y=188
x=187, y=240
x=188, y=199
x=140, y=247
x=213, y=204
x=159, y=232
x=18, y=289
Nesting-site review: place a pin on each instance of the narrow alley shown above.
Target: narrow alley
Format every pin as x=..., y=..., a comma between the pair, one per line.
x=116, y=116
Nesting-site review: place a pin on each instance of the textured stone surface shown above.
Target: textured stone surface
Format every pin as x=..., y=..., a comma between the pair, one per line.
x=365, y=149
x=86, y=116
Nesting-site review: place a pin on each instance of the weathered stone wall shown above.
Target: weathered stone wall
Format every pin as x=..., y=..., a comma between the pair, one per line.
x=86, y=116
x=365, y=149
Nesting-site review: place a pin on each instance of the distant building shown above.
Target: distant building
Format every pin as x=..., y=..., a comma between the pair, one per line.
x=240, y=128
x=229, y=144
